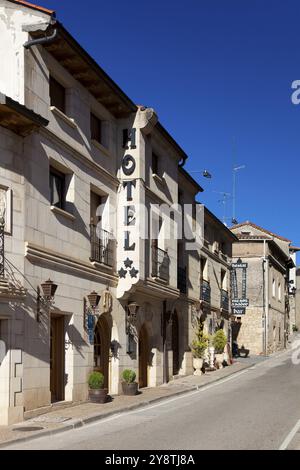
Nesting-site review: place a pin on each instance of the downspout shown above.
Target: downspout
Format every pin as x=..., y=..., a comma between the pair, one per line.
x=266, y=299
x=165, y=350
x=45, y=39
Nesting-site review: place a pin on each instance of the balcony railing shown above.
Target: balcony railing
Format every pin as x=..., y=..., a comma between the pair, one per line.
x=205, y=291
x=224, y=300
x=181, y=280
x=160, y=264
x=102, y=246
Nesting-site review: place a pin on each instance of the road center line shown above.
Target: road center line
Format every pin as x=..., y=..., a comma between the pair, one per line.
x=290, y=436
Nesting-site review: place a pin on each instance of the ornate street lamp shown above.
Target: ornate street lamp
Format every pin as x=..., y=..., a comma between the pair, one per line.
x=90, y=308
x=49, y=289
x=94, y=300
x=131, y=315
x=130, y=325
x=2, y=230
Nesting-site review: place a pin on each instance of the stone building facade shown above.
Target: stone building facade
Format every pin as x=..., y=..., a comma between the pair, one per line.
x=265, y=326
x=81, y=169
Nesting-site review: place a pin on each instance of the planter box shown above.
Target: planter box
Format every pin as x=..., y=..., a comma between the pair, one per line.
x=130, y=389
x=98, y=396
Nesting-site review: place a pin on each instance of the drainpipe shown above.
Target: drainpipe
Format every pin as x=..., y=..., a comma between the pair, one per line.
x=45, y=39
x=165, y=350
x=266, y=298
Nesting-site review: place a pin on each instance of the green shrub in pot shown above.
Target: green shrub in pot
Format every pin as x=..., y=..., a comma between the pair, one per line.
x=129, y=385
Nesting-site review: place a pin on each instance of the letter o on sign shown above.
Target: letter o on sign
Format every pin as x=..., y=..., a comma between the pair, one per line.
x=128, y=165
x=2, y=351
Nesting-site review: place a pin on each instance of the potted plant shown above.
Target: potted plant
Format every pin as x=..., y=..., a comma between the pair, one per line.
x=97, y=392
x=219, y=342
x=199, y=347
x=129, y=385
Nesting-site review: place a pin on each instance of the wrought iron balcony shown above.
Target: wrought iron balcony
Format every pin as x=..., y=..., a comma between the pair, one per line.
x=205, y=291
x=102, y=246
x=160, y=264
x=181, y=280
x=224, y=300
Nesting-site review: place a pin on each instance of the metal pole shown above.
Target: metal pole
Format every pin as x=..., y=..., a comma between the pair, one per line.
x=165, y=350
x=233, y=194
x=2, y=229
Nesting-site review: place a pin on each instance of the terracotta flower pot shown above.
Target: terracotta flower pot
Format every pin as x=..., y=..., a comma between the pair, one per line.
x=197, y=364
x=130, y=389
x=98, y=396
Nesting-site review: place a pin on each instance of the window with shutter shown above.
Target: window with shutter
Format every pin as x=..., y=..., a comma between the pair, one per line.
x=96, y=129
x=57, y=95
x=57, y=188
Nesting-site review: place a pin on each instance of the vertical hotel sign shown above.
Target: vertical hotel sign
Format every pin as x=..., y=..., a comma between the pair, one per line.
x=127, y=225
x=239, y=287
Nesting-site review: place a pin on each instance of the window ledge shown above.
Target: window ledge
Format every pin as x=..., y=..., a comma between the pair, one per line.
x=63, y=116
x=99, y=265
x=158, y=179
x=160, y=280
x=62, y=212
x=101, y=147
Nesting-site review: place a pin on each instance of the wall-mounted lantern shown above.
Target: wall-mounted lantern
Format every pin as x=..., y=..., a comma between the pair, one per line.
x=132, y=310
x=131, y=315
x=49, y=289
x=46, y=297
x=90, y=308
x=94, y=300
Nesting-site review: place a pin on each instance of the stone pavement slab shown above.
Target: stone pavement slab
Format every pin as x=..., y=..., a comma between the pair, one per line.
x=63, y=419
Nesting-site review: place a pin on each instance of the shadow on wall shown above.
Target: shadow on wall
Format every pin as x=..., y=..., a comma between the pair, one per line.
x=33, y=337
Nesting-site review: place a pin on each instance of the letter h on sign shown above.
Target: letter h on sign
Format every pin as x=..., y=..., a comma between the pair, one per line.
x=129, y=136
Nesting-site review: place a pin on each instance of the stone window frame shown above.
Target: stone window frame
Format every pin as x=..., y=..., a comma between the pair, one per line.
x=9, y=204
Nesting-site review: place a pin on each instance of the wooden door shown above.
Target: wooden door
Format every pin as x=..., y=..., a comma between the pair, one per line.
x=175, y=343
x=143, y=358
x=57, y=359
x=102, y=341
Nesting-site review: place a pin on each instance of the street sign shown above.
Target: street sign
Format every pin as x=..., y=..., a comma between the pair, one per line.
x=240, y=303
x=238, y=311
x=239, y=265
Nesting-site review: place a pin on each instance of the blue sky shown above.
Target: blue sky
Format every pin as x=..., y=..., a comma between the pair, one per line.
x=219, y=75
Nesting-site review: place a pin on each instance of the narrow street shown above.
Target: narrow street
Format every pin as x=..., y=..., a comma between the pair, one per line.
x=258, y=408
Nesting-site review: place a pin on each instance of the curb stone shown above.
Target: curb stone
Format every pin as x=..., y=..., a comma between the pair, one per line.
x=78, y=423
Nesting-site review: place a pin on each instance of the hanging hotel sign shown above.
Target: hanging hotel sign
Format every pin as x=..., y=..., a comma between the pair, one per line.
x=239, y=300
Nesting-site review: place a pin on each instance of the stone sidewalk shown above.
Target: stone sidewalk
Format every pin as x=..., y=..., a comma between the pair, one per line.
x=71, y=417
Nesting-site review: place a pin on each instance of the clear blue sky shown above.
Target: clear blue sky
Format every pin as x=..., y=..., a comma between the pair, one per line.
x=217, y=72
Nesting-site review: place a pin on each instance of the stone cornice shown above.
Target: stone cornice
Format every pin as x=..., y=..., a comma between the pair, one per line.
x=37, y=254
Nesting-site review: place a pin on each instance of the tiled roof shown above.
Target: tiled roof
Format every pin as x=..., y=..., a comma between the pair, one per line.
x=35, y=7
x=243, y=236
x=260, y=228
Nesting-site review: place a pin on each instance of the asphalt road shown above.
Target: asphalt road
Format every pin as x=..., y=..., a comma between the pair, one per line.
x=258, y=408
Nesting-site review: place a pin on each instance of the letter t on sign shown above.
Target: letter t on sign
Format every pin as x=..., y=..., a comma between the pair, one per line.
x=129, y=185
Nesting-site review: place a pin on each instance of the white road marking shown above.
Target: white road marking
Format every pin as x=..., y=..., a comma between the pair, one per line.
x=290, y=436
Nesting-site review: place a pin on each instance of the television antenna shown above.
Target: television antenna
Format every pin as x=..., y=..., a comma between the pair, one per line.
x=226, y=197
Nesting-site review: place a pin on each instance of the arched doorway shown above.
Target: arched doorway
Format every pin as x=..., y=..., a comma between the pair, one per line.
x=143, y=357
x=102, y=339
x=175, y=343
